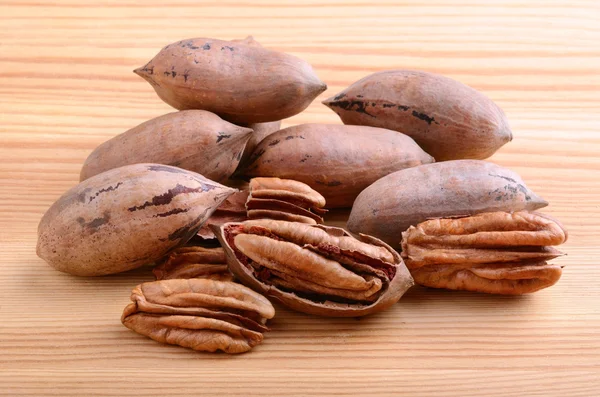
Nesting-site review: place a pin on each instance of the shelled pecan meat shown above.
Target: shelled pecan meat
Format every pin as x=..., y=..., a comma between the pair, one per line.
x=200, y=314
x=284, y=199
x=495, y=252
x=194, y=262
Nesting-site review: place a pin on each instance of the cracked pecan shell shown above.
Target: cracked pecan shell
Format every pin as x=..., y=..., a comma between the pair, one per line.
x=496, y=252
x=200, y=314
x=315, y=269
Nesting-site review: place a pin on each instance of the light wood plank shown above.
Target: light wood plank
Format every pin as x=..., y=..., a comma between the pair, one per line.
x=66, y=85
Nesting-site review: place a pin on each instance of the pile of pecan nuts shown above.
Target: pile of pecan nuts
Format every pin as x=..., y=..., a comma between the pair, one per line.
x=230, y=208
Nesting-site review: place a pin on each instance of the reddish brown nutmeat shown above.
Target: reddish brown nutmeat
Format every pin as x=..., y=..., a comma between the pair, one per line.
x=284, y=199
x=201, y=314
x=448, y=119
x=125, y=218
x=240, y=81
x=441, y=190
x=338, y=161
x=194, y=140
x=494, y=252
x=315, y=269
x=194, y=262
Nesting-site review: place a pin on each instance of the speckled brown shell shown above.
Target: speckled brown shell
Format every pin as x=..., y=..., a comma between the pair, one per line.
x=396, y=288
x=125, y=218
x=338, y=161
x=441, y=190
x=448, y=119
x=240, y=81
x=194, y=140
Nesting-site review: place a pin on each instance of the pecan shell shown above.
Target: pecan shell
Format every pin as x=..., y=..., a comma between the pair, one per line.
x=338, y=161
x=284, y=199
x=194, y=262
x=315, y=269
x=448, y=189
x=125, y=218
x=206, y=315
x=448, y=119
x=495, y=252
x=194, y=140
x=240, y=81
x=233, y=209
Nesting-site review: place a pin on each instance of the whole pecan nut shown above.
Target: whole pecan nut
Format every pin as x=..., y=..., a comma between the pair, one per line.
x=495, y=252
x=194, y=262
x=201, y=314
x=315, y=269
x=284, y=199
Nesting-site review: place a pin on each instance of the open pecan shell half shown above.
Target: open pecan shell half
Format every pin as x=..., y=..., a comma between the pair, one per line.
x=315, y=269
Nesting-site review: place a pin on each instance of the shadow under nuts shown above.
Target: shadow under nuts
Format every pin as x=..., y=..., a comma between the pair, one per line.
x=200, y=314
x=315, y=269
x=496, y=252
x=441, y=190
x=240, y=81
x=448, y=119
x=337, y=161
x=125, y=218
x=194, y=140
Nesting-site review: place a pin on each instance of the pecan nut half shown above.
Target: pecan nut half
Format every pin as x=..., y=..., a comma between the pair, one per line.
x=495, y=252
x=315, y=269
x=284, y=199
x=201, y=314
x=194, y=262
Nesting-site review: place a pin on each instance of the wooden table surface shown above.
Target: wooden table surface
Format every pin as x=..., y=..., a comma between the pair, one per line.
x=66, y=85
